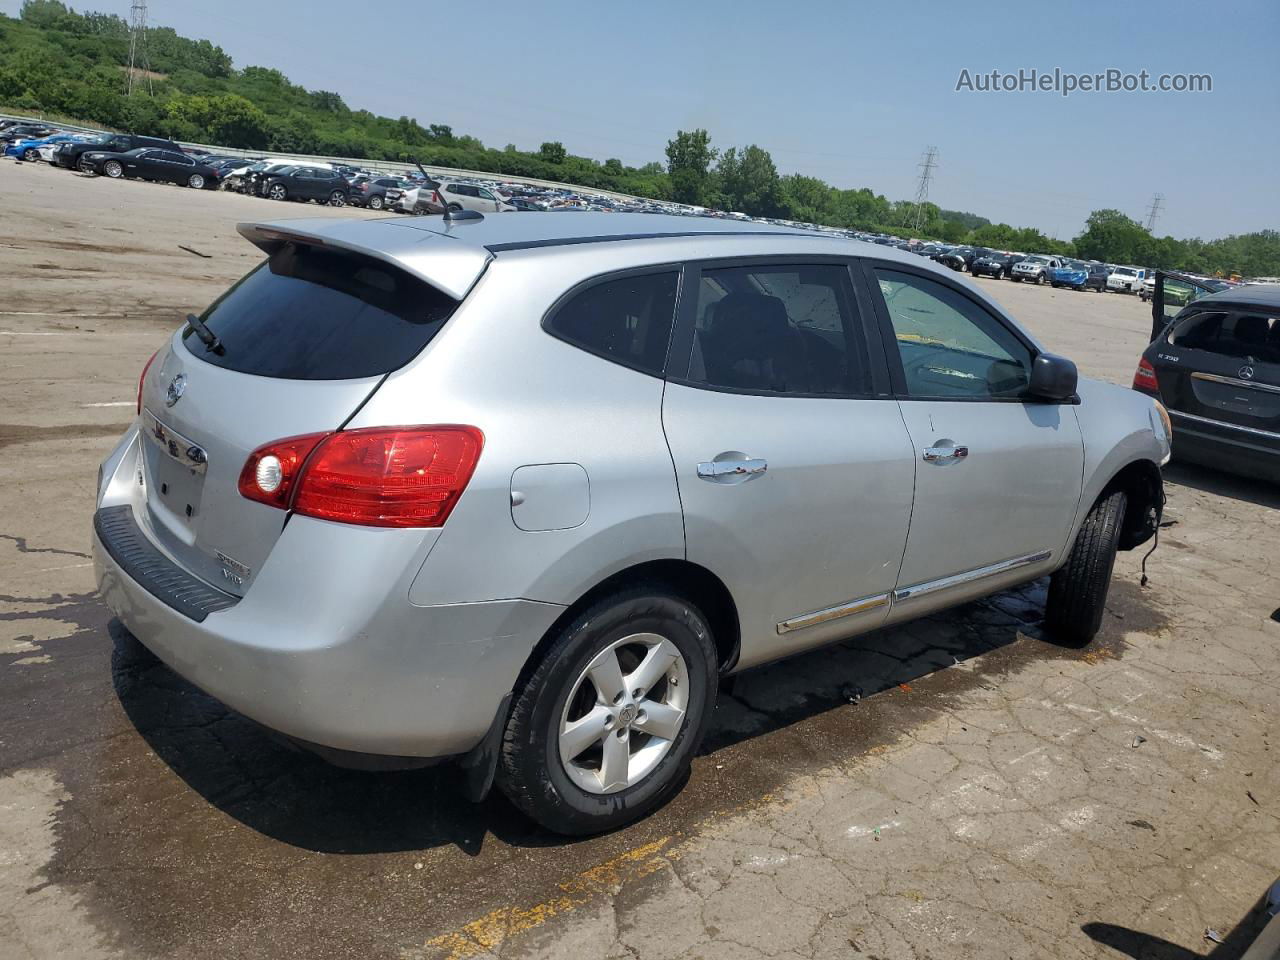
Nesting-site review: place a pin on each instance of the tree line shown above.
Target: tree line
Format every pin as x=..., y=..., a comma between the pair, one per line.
x=62, y=62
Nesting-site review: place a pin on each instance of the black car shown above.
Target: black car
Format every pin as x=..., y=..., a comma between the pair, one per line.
x=1097, y=279
x=322, y=184
x=525, y=203
x=24, y=131
x=151, y=163
x=961, y=258
x=377, y=192
x=1214, y=362
x=69, y=154
x=992, y=264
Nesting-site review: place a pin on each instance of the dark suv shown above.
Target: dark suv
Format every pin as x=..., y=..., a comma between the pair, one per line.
x=321, y=184
x=68, y=155
x=1215, y=363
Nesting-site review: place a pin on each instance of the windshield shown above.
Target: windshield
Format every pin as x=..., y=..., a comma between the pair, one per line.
x=1035, y=260
x=1126, y=272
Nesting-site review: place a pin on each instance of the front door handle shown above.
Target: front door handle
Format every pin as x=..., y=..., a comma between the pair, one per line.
x=732, y=471
x=943, y=454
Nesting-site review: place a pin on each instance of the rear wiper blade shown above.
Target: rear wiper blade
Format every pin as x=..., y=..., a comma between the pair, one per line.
x=207, y=336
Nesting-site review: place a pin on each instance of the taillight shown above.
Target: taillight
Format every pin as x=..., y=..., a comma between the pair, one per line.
x=436, y=198
x=1145, y=377
x=377, y=477
x=142, y=379
x=271, y=472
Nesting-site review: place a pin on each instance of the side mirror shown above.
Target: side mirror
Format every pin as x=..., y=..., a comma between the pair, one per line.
x=1052, y=378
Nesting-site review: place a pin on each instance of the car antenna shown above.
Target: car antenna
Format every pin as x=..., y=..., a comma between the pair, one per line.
x=450, y=215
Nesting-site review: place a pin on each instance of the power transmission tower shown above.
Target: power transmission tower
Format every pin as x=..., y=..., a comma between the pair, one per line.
x=1156, y=202
x=928, y=161
x=138, y=46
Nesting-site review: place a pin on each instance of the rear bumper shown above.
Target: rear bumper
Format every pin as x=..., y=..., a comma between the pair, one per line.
x=1243, y=450
x=333, y=653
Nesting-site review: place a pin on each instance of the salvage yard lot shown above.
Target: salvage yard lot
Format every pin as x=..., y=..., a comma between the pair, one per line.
x=957, y=787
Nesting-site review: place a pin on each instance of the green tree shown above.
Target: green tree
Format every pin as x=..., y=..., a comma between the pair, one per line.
x=1112, y=237
x=553, y=152
x=749, y=182
x=689, y=158
x=613, y=167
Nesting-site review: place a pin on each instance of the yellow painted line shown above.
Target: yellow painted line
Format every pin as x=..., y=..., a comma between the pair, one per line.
x=488, y=933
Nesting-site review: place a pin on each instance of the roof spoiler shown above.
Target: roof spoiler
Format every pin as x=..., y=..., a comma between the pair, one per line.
x=451, y=267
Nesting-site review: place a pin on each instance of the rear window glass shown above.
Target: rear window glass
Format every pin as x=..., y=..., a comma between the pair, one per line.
x=308, y=313
x=627, y=320
x=1239, y=336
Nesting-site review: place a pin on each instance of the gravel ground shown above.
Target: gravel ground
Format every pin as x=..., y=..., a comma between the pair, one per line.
x=957, y=787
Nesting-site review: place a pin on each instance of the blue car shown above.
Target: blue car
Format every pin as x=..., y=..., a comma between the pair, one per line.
x=1072, y=273
x=30, y=149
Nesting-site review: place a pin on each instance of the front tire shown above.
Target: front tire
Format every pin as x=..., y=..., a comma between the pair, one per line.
x=278, y=192
x=113, y=169
x=31, y=155
x=1078, y=590
x=606, y=727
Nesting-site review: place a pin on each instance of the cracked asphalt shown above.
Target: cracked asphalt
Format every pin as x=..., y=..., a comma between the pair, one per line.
x=957, y=787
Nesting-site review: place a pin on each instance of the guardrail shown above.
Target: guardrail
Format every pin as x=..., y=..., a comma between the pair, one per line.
x=396, y=168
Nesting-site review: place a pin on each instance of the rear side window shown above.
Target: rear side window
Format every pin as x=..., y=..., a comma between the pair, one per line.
x=310, y=313
x=626, y=319
x=779, y=329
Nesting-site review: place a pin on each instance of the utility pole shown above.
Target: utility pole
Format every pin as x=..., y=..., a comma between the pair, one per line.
x=928, y=160
x=138, y=46
x=1154, y=211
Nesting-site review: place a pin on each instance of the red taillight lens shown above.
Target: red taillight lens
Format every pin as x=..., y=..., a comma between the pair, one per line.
x=271, y=472
x=1145, y=377
x=389, y=476
x=143, y=379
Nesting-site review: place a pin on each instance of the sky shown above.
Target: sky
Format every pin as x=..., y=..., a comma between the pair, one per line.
x=851, y=92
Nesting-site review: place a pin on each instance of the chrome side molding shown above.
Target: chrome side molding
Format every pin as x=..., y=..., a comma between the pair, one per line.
x=979, y=573
x=833, y=613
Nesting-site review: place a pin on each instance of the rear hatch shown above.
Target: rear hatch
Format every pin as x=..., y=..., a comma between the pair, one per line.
x=306, y=337
x=1224, y=366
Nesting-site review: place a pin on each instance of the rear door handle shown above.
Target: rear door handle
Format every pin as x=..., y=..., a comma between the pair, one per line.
x=732, y=471
x=942, y=454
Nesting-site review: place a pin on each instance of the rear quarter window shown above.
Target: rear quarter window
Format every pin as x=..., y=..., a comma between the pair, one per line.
x=309, y=313
x=625, y=319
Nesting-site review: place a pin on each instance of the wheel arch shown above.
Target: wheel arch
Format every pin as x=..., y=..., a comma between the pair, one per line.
x=1143, y=487
x=684, y=578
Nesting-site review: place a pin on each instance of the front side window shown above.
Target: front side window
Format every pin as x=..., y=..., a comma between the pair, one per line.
x=791, y=329
x=627, y=319
x=951, y=347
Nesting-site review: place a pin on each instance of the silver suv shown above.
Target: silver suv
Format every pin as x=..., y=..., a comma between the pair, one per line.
x=521, y=490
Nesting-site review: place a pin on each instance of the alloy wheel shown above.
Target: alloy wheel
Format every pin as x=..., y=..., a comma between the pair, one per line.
x=624, y=711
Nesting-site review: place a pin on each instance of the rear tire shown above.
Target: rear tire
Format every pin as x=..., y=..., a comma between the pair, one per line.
x=563, y=792
x=196, y=181
x=1078, y=590
x=375, y=203
x=455, y=207
x=337, y=199
x=31, y=155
